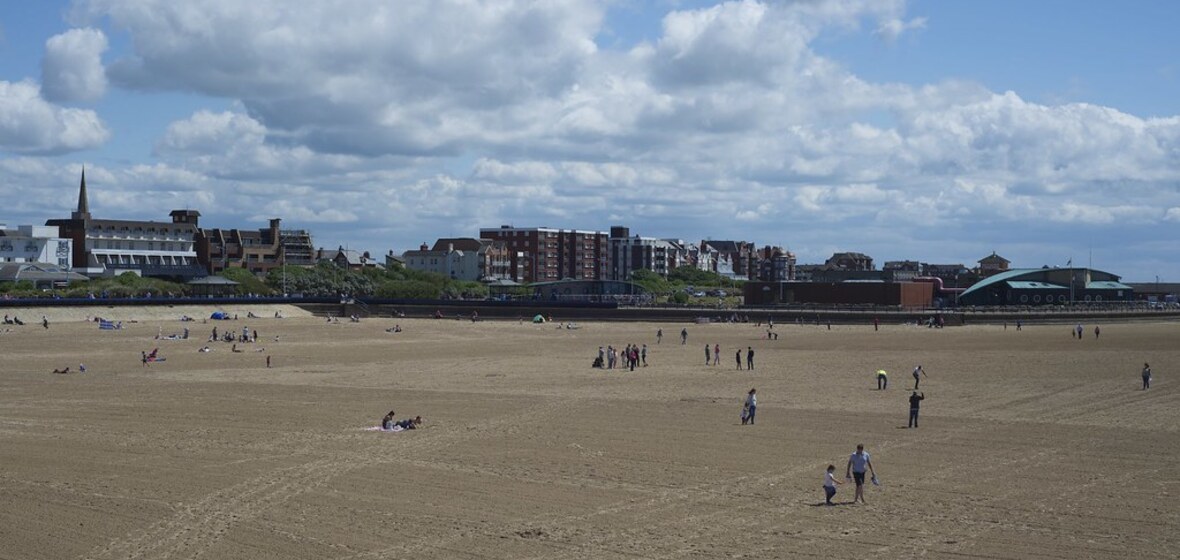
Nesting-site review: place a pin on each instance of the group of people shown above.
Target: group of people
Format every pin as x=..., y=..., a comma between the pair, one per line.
x=390, y=424
x=916, y=397
x=13, y=321
x=713, y=356
x=81, y=369
x=858, y=466
x=1078, y=331
x=632, y=356
x=232, y=336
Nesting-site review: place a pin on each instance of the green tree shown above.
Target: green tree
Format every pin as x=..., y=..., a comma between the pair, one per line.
x=652, y=282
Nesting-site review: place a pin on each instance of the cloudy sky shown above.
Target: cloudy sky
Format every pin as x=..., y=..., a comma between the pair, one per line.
x=929, y=130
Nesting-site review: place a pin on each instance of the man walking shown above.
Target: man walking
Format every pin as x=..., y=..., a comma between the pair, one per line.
x=915, y=403
x=857, y=464
x=1146, y=376
x=739, y=359
x=716, y=354
x=708, y=358
x=750, y=358
x=683, y=336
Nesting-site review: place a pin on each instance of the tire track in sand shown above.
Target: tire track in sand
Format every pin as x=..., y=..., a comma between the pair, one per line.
x=659, y=543
x=196, y=528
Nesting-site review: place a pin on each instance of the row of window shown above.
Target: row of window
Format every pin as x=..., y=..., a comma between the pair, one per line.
x=151, y=246
x=1036, y=298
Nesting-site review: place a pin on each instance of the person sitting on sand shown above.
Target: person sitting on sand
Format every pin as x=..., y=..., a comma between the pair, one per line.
x=235, y=348
x=409, y=424
x=387, y=422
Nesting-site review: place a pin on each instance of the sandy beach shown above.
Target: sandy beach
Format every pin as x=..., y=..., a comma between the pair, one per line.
x=1033, y=444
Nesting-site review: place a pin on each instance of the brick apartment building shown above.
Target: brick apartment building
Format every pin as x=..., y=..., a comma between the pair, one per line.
x=259, y=250
x=545, y=254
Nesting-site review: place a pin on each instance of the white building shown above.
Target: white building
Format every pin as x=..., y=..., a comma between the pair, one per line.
x=112, y=247
x=35, y=244
x=627, y=253
x=461, y=258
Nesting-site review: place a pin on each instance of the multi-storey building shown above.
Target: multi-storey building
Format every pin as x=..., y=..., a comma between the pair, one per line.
x=350, y=259
x=902, y=271
x=462, y=258
x=547, y=254
x=111, y=247
x=775, y=264
x=732, y=259
x=35, y=244
x=627, y=253
x=849, y=261
x=256, y=250
x=993, y=264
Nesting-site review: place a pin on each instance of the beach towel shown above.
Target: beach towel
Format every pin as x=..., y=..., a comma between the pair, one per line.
x=106, y=325
x=395, y=429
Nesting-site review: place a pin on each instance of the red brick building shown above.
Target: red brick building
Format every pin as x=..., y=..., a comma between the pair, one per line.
x=548, y=254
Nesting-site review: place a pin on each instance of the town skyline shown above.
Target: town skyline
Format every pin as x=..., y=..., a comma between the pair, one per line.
x=903, y=130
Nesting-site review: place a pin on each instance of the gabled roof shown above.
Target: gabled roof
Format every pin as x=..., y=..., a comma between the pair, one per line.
x=459, y=244
x=993, y=258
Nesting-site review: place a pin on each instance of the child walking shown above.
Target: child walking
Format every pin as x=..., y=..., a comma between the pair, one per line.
x=830, y=483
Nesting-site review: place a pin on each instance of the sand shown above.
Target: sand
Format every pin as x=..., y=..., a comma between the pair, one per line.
x=1032, y=444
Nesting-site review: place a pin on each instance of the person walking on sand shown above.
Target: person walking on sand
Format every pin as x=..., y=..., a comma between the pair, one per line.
x=882, y=380
x=858, y=462
x=1097, y=331
x=830, y=483
x=739, y=359
x=750, y=358
x=143, y=358
x=1079, y=330
x=750, y=407
x=915, y=403
x=683, y=336
x=659, y=335
x=918, y=374
x=708, y=358
x=1146, y=376
x=643, y=355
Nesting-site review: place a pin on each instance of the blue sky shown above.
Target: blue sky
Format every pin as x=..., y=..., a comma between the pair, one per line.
x=937, y=131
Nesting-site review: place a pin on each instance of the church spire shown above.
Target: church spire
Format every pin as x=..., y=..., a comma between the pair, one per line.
x=83, y=211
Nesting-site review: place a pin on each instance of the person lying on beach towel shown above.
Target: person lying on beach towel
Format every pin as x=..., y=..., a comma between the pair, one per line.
x=409, y=424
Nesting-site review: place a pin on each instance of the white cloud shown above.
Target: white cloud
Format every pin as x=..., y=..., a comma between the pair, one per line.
x=892, y=28
x=31, y=125
x=72, y=68
x=447, y=116
x=234, y=145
